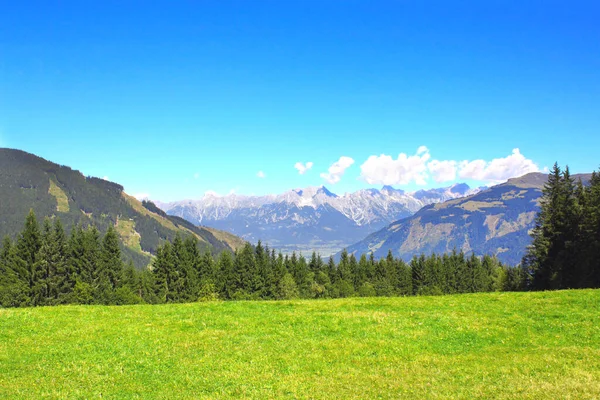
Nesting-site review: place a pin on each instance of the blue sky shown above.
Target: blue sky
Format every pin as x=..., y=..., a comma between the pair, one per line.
x=177, y=98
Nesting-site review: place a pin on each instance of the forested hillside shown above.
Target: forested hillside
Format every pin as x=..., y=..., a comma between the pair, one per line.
x=43, y=267
x=28, y=182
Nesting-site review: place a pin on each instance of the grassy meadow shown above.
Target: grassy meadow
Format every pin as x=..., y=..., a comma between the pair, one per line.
x=543, y=345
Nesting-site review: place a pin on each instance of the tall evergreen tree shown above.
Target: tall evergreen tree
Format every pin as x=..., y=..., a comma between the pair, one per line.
x=44, y=272
x=28, y=245
x=14, y=291
x=110, y=273
x=65, y=277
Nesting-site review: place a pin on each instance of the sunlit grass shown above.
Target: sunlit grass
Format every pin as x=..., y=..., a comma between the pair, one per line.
x=508, y=345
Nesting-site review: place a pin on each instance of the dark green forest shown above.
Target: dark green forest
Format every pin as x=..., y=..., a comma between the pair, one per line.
x=565, y=251
x=44, y=266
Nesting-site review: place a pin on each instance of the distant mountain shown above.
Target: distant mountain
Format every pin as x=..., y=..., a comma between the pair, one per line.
x=309, y=219
x=30, y=182
x=493, y=221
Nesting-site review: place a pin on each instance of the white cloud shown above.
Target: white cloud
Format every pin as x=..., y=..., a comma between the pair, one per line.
x=422, y=150
x=105, y=178
x=337, y=169
x=386, y=170
x=418, y=168
x=261, y=175
x=142, y=196
x=499, y=169
x=302, y=168
x=442, y=171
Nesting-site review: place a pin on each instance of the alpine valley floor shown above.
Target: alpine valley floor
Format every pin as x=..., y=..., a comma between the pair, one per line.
x=539, y=345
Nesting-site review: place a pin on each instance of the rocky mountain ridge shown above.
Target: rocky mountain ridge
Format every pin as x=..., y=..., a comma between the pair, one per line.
x=312, y=218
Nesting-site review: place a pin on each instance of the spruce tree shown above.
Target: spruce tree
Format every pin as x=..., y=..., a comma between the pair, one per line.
x=345, y=283
x=110, y=274
x=28, y=245
x=417, y=266
x=65, y=278
x=44, y=270
x=539, y=259
x=161, y=269
x=14, y=291
x=404, y=274
x=226, y=282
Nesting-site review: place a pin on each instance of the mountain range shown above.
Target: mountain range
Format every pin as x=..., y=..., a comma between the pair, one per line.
x=495, y=221
x=51, y=190
x=309, y=219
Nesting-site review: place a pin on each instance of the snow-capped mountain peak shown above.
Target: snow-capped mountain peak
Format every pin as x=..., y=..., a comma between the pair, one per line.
x=312, y=216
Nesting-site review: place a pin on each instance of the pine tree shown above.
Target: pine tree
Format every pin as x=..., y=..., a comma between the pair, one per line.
x=287, y=288
x=265, y=271
x=345, y=283
x=569, y=227
x=404, y=274
x=279, y=271
x=417, y=266
x=246, y=278
x=226, y=282
x=65, y=278
x=360, y=274
x=161, y=271
x=481, y=280
x=14, y=291
x=110, y=273
x=129, y=290
x=44, y=269
x=28, y=245
x=592, y=226
x=332, y=274
x=538, y=259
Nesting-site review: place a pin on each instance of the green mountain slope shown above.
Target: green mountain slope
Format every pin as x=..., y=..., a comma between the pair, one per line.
x=495, y=221
x=30, y=182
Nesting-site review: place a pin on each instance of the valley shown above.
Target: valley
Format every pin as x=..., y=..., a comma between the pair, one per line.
x=310, y=219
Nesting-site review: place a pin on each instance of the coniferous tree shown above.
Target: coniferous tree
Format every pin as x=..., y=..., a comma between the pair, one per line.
x=538, y=259
x=110, y=271
x=44, y=272
x=65, y=277
x=14, y=291
x=28, y=245
x=345, y=283
x=288, y=289
x=417, y=266
x=360, y=276
x=227, y=282
x=162, y=269
x=265, y=271
x=592, y=229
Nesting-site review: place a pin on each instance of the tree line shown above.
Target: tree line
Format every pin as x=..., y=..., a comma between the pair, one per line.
x=565, y=251
x=45, y=267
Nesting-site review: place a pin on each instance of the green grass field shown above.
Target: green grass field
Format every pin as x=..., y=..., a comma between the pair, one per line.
x=499, y=345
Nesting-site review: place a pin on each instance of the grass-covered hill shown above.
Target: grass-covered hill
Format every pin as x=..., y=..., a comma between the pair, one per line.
x=30, y=182
x=495, y=221
x=536, y=345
